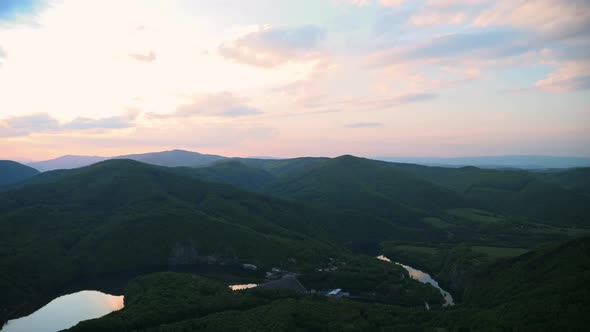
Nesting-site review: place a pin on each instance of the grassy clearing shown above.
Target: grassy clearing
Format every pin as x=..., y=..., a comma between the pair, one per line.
x=551, y=230
x=499, y=252
x=417, y=249
x=436, y=222
x=475, y=215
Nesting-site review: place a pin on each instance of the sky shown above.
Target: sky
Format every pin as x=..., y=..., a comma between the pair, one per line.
x=285, y=78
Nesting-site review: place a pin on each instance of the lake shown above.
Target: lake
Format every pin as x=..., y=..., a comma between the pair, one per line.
x=66, y=311
x=425, y=278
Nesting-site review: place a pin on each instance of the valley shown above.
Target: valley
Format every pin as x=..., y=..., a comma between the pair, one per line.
x=294, y=166
x=183, y=234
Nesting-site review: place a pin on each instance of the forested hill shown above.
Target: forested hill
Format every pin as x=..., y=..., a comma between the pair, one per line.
x=123, y=215
x=12, y=172
x=311, y=216
x=381, y=201
x=544, y=290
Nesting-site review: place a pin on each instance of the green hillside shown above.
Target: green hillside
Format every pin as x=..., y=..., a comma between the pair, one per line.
x=577, y=179
x=282, y=167
x=122, y=215
x=557, y=199
x=375, y=201
x=471, y=229
x=12, y=172
x=371, y=201
x=232, y=172
x=349, y=182
x=542, y=290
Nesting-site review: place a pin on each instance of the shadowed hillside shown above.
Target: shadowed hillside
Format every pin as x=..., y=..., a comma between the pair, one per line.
x=123, y=215
x=542, y=290
x=12, y=172
x=556, y=198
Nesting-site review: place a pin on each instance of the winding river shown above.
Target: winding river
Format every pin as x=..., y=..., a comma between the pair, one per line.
x=68, y=310
x=425, y=278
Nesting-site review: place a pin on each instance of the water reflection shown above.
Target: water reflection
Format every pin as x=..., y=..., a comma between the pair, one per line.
x=66, y=311
x=243, y=286
x=425, y=278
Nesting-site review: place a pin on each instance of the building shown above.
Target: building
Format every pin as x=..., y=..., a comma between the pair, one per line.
x=289, y=282
x=337, y=293
x=250, y=267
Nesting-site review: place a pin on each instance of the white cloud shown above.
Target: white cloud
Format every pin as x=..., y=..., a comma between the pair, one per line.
x=430, y=18
x=360, y=3
x=80, y=72
x=223, y=104
x=98, y=68
x=144, y=57
x=45, y=123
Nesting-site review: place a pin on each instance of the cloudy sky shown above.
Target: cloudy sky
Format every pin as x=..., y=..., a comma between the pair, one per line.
x=292, y=78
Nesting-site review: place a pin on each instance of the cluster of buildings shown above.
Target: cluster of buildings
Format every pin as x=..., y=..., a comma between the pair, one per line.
x=280, y=279
x=335, y=293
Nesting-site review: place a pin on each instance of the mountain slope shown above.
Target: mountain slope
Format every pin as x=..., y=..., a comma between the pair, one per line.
x=249, y=174
x=546, y=289
x=12, y=172
x=123, y=215
x=282, y=167
x=374, y=202
x=577, y=179
x=171, y=158
x=518, y=193
x=370, y=186
x=66, y=162
x=174, y=158
x=232, y=172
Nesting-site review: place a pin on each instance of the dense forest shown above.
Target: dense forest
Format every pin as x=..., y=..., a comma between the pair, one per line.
x=510, y=245
x=542, y=290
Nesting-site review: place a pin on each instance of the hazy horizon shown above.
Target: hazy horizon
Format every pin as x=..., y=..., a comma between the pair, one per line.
x=295, y=165
x=298, y=156
x=180, y=157
x=431, y=78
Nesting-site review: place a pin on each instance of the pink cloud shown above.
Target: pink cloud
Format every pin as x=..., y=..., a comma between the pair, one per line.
x=272, y=46
x=366, y=3
x=391, y=3
x=550, y=18
x=430, y=18
x=449, y=3
x=568, y=76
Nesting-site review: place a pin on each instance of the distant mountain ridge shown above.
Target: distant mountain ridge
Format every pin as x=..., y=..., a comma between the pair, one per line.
x=172, y=158
x=176, y=158
x=508, y=161
x=66, y=162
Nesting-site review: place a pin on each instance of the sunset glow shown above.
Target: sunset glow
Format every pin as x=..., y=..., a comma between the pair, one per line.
x=291, y=78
